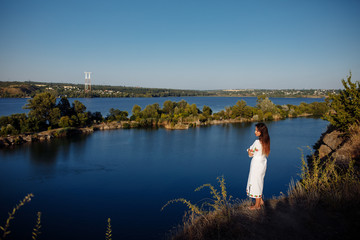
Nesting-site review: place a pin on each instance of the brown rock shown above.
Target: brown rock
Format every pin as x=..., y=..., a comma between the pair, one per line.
x=178, y=126
x=350, y=150
x=324, y=150
x=27, y=138
x=4, y=142
x=333, y=139
x=41, y=138
x=11, y=140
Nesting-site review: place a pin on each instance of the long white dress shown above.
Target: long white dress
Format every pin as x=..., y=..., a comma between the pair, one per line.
x=257, y=171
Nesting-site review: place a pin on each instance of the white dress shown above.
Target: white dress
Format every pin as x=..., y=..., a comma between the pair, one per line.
x=257, y=171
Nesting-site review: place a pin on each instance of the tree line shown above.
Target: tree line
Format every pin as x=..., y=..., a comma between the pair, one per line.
x=46, y=114
x=30, y=89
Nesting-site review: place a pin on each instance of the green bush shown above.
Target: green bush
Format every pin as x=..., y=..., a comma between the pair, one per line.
x=268, y=116
x=65, y=122
x=345, y=106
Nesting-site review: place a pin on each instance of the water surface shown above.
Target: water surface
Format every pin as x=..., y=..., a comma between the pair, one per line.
x=128, y=175
x=10, y=106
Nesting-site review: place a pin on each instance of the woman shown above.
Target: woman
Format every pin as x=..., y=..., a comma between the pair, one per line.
x=258, y=151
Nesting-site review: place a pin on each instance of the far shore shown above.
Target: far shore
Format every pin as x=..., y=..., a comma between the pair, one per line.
x=240, y=96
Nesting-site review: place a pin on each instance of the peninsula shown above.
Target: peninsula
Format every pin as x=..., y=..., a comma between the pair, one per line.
x=48, y=119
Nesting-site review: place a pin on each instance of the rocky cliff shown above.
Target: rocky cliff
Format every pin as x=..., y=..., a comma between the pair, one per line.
x=340, y=146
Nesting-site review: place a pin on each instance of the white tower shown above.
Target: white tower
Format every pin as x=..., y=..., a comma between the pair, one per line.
x=87, y=82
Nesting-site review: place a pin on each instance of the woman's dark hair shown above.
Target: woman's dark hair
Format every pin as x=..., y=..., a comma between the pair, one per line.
x=264, y=138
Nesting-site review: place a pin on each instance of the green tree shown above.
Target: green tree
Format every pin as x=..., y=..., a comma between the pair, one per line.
x=97, y=117
x=65, y=108
x=33, y=124
x=151, y=111
x=74, y=121
x=194, y=111
x=240, y=109
x=79, y=107
x=207, y=112
x=202, y=118
x=182, y=104
x=265, y=104
x=283, y=110
x=345, y=106
x=4, y=121
x=136, y=112
x=219, y=115
x=319, y=109
x=117, y=115
x=168, y=107
x=9, y=130
x=41, y=107
x=54, y=117
x=83, y=119
x=304, y=108
x=65, y=122
x=258, y=115
x=14, y=124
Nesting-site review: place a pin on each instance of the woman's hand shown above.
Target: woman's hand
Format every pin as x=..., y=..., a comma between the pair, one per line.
x=251, y=154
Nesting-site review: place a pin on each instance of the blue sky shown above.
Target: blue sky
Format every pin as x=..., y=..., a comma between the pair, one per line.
x=182, y=44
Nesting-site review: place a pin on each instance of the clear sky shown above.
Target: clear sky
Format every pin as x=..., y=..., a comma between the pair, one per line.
x=182, y=44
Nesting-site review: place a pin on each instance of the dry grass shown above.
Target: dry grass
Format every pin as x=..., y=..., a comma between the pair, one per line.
x=323, y=205
x=108, y=234
x=36, y=231
x=326, y=183
x=219, y=201
x=219, y=208
x=351, y=149
x=6, y=227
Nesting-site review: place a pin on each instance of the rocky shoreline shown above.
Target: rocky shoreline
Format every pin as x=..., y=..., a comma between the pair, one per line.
x=42, y=136
x=9, y=141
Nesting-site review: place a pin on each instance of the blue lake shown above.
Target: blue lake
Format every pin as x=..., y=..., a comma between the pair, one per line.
x=128, y=175
x=10, y=106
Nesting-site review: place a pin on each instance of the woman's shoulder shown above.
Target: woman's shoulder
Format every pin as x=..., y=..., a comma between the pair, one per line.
x=257, y=143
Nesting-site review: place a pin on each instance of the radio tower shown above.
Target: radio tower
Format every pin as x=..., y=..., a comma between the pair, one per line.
x=87, y=82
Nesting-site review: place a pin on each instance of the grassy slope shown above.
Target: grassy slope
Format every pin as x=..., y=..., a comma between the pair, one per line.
x=279, y=219
x=325, y=205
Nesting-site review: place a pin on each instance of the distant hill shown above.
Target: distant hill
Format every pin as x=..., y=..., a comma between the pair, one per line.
x=18, y=90
x=29, y=89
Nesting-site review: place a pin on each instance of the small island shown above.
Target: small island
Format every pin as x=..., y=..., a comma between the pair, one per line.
x=48, y=118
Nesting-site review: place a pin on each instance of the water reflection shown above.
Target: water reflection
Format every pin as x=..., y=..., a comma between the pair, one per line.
x=126, y=173
x=49, y=152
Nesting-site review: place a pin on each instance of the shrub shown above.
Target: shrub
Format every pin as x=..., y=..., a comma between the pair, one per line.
x=326, y=183
x=268, y=116
x=265, y=104
x=345, y=106
x=5, y=228
x=65, y=122
x=219, y=201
